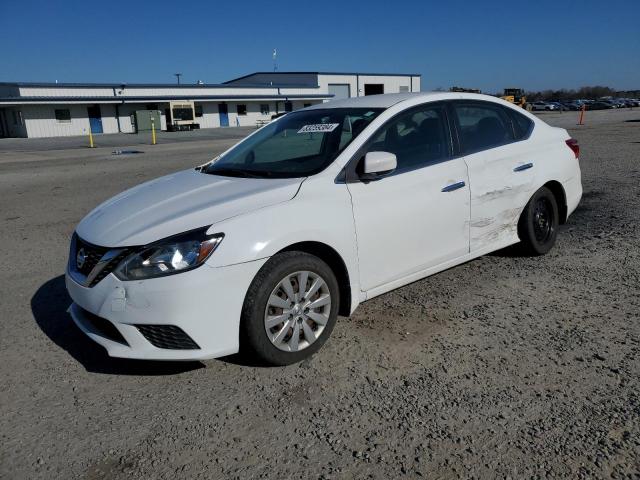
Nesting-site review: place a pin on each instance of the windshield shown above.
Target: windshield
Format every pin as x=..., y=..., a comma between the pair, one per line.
x=298, y=145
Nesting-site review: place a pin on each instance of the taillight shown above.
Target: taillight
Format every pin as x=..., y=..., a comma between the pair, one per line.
x=572, y=143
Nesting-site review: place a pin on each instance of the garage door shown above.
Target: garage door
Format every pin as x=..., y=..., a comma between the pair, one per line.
x=339, y=90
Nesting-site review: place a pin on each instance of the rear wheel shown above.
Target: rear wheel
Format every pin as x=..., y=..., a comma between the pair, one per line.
x=538, y=225
x=290, y=308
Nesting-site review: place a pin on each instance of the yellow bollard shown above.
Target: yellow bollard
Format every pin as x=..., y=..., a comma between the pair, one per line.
x=90, y=139
x=153, y=132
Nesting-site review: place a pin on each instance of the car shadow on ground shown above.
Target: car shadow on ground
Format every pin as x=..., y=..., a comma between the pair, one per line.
x=49, y=306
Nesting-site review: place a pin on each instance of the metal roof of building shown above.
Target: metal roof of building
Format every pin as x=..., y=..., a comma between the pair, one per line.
x=204, y=85
x=158, y=98
x=363, y=74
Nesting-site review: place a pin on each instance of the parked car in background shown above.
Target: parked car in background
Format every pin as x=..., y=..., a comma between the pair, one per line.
x=540, y=105
x=571, y=106
x=323, y=208
x=600, y=105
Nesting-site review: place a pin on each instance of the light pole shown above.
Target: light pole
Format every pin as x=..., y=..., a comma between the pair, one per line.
x=178, y=75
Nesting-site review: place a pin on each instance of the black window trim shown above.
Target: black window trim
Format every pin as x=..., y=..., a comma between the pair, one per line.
x=500, y=108
x=349, y=173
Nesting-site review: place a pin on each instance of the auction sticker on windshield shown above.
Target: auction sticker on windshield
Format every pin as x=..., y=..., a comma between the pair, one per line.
x=319, y=128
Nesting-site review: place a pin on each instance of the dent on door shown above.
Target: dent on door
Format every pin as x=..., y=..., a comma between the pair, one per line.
x=500, y=188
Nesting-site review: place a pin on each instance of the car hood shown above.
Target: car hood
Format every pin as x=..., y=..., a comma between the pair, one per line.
x=177, y=203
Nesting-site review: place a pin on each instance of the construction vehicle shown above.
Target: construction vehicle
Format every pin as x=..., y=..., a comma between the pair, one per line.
x=515, y=96
x=465, y=90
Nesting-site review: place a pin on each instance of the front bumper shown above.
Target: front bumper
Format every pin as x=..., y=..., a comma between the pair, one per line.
x=205, y=303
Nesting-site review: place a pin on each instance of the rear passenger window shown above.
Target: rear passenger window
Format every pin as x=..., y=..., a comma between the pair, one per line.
x=417, y=138
x=482, y=127
x=521, y=124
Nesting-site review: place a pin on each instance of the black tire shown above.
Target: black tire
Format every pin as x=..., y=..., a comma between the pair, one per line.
x=253, y=335
x=538, y=224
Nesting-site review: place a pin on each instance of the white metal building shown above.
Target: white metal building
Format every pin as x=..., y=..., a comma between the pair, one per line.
x=57, y=109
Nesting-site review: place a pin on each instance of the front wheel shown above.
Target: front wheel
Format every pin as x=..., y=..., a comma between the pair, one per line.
x=538, y=225
x=290, y=309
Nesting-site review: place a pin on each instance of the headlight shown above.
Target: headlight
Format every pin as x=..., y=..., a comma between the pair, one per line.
x=169, y=256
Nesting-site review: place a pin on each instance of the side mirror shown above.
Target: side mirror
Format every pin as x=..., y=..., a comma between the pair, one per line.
x=377, y=164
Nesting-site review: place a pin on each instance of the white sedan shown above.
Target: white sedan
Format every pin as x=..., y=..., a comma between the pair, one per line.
x=262, y=248
x=536, y=106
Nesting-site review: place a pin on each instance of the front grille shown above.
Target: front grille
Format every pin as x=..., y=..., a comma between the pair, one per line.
x=103, y=326
x=167, y=336
x=92, y=270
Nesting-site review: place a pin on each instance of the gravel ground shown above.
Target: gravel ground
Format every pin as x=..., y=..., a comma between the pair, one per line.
x=504, y=367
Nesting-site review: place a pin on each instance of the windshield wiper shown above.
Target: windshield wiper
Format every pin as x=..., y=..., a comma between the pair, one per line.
x=236, y=172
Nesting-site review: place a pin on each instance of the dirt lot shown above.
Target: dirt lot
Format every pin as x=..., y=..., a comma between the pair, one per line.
x=505, y=367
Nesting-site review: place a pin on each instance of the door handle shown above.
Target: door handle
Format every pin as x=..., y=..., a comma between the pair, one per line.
x=453, y=186
x=520, y=168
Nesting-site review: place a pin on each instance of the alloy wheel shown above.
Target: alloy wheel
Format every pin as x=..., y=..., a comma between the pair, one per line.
x=297, y=311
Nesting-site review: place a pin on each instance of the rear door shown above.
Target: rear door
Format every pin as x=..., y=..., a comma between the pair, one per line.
x=417, y=216
x=501, y=170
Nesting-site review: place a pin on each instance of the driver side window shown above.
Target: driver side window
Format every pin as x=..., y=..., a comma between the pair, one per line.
x=417, y=138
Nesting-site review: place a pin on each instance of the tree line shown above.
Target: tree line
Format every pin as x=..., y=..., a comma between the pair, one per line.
x=594, y=92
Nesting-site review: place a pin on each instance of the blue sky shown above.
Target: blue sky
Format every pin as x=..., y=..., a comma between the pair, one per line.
x=481, y=44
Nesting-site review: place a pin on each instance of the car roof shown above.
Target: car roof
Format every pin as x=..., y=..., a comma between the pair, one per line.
x=389, y=99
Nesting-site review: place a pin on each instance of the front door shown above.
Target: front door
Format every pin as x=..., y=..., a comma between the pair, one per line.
x=416, y=217
x=223, y=111
x=95, y=118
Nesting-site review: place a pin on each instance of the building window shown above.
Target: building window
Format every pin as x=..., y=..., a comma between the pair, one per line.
x=63, y=115
x=198, y=109
x=241, y=109
x=404, y=88
x=264, y=108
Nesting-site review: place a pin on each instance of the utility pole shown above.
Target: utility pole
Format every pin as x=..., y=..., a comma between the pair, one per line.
x=178, y=75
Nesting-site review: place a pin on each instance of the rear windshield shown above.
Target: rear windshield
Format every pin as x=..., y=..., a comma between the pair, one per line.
x=297, y=145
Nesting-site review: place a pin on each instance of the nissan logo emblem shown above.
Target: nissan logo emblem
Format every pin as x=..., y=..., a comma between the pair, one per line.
x=81, y=257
